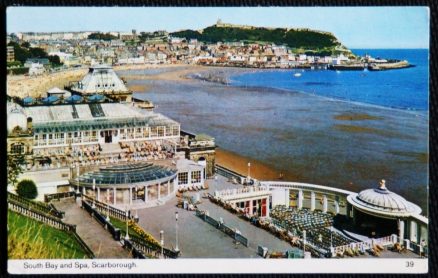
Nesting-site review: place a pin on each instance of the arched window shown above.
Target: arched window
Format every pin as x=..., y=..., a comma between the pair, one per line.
x=17, y=148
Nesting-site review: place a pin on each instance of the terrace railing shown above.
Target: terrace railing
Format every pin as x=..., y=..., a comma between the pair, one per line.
x=366, y=245
x=221, y=170
x=106, y=208
x=115, y=232
x=44, y=208
x=222, y=227
x=152, y=250
x=139, y=247
x=58, y=196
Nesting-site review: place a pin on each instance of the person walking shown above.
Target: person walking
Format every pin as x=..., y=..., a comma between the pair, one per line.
x=422, y=246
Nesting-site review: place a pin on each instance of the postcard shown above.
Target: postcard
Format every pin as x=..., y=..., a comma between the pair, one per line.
x=217, y=140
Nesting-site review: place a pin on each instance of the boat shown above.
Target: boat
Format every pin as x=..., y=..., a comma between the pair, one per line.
x=297, y=74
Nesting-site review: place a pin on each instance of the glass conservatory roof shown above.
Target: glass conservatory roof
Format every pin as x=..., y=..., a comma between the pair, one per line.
x=126, y=174
x=100, y=124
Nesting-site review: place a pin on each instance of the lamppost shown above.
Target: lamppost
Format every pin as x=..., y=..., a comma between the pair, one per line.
x=249, y=170
x=77, y=187
x=107, y=206
x=176, y=231
x=162, y=243
x=94, y=194
x=331, y=239
x=127, y=227
x=304, y=241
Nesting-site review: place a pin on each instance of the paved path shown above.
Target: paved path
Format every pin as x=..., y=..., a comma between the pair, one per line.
x=198, y=239
x=92, y=233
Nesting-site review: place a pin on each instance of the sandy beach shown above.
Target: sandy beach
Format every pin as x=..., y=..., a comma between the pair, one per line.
x=258, y=169
x=23, y=86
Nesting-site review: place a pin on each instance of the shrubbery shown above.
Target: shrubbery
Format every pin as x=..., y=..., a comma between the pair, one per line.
x=293, y=38
x=16, y=71
x=27, y=189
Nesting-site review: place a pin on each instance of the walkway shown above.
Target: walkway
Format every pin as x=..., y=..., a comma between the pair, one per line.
x=198, y=239
x=92, y=233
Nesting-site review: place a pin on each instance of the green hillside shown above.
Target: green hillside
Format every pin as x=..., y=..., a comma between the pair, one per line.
x=31, y=239
x=294, y=38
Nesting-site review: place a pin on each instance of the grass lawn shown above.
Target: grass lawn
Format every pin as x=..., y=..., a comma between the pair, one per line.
x=31, y=239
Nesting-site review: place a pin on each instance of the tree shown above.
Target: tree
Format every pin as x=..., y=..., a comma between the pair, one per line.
x=101, y=36
x=25, y=44
x=36, y=52
x=21, y=54
x=27, y=189
x=55, y=60
x=15, y=167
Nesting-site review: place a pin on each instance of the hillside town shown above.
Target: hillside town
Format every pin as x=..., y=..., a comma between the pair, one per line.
x=74, y=49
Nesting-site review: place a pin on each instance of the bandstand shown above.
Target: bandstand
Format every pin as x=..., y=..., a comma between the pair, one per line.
x=384, y=212
x=133, y=185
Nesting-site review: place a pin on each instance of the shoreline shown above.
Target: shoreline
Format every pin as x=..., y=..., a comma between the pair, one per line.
x=18, y=84
x=218, y=78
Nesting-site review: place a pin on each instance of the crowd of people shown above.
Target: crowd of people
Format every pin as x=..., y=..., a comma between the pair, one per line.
x=149, y=150
x=93, y=154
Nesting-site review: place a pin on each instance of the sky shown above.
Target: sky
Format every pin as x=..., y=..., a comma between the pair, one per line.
x=355, y=27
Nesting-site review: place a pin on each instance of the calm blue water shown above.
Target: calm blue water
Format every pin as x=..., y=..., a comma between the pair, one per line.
x=405, y=88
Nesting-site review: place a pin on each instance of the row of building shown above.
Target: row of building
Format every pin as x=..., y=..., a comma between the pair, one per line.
x=74, y=48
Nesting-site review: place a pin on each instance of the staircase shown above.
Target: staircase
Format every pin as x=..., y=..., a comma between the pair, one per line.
x=110, y=149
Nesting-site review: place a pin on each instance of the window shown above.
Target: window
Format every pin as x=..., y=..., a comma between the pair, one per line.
x=146, y=132
x=161, y=130
x=69, y=135
x=196, y=176
x=182, y=178
x=94, y=133
x=17, y=148
x=50, y=136
x=175, y=130
x=154, y=131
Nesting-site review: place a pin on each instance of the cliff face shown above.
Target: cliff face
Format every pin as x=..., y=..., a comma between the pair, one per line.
x=294, y=38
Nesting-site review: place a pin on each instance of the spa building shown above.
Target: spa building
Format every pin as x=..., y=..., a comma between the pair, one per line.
x=95, y=139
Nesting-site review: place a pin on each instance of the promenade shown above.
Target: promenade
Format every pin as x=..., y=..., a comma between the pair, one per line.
x=198, y=239
x=92, y=233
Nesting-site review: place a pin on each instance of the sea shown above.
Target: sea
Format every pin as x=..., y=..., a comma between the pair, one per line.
x=300, y=125
x=403, y=89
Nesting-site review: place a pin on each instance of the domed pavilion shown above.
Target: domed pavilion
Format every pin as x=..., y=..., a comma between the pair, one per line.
x=380, y=212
